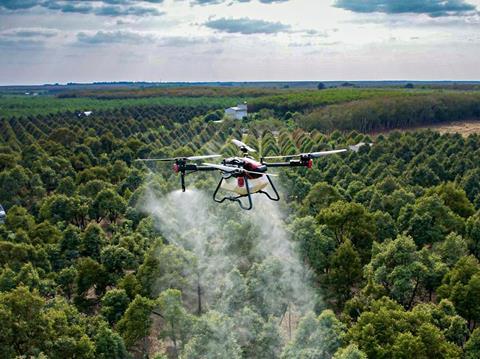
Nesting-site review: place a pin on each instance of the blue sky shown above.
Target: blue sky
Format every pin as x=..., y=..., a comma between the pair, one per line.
x=45, y=41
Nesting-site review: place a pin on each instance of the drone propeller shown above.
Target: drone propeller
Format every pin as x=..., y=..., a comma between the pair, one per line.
x=357, y=147
x=230, y=169
x=191, y=158
x=244, y=147
x=309, y=155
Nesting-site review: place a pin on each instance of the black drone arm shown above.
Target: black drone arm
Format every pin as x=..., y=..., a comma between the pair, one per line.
x=185, y=169
x=195, y=168
x=205, y=168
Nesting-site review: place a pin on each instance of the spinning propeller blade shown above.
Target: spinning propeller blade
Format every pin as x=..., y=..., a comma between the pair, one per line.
x=310, y=155
x=324, y=153
x=241, y=145
x=192, y=158
x=357, y=147
x=222, y=167
x=197, y=158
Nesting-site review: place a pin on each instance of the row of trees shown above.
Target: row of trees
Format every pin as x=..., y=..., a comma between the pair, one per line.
x=379, y=114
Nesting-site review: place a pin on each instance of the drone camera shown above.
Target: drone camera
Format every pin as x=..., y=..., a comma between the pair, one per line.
x=310, y=163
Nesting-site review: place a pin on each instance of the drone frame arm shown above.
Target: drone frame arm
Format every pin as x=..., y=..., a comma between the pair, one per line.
x=191, y=169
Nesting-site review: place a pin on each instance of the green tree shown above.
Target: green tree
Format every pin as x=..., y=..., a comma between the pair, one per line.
x=386, y=330
x=316, y=337
x=19, y=218
x=107, y=204
x=345, y=273
x=350, y=221
x=135, y=323
x=316, y=243
x=213, y=338
x=350, y=352
x=66, y=281
x=114, y=304
x=472, y=347
x=116, y=259
x=452, y=249
x=177, y=321
x=166, y=267
x=90, y=274
x=473, y=234
x=396, y=265
x=429, y=220
x=56, y=208
x=93, y=240
x=109, y=345
x=320, y=196
x=454, y=198
x=460, y=285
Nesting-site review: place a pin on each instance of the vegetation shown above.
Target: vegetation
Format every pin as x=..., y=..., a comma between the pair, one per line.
x=18, y=106
x=95, y=260
x=379, y=114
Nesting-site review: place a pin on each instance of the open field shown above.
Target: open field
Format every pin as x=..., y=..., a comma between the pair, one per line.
x=465, y=128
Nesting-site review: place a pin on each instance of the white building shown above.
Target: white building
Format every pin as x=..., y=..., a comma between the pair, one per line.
x=238, y=112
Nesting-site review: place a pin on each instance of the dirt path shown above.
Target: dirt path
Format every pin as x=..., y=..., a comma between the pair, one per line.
x=464, y=128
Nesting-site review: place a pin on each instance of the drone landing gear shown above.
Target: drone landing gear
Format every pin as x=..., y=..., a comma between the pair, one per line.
x=277, y=197
x=235, y=198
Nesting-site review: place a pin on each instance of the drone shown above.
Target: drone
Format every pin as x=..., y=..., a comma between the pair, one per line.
x=244, y=176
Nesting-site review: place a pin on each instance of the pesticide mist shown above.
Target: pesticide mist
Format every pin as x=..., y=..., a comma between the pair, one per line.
x=246, y=278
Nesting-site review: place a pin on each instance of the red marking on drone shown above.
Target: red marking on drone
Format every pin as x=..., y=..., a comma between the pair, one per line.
x=240, y=181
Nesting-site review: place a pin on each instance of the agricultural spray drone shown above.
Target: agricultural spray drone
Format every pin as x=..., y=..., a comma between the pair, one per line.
x=244, y=176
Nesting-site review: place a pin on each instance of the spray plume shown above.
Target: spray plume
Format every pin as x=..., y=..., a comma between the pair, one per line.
x=244, y=260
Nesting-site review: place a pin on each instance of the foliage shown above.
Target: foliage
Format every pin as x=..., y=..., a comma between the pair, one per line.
x=389, y=236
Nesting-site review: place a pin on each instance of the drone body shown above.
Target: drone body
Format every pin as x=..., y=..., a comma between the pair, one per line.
x=237, y=183
x=244, y=176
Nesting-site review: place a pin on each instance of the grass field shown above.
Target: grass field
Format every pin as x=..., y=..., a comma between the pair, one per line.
x=465, y=128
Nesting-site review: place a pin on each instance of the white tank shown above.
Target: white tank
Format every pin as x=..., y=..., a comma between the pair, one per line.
x=238, y=185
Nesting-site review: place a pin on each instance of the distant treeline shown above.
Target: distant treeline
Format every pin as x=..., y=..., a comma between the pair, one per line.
x=377, y=114
x=308, y=100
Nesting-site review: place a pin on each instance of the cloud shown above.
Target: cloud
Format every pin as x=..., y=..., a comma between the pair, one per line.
x=95, y=7
x=29, y=32
x=113, y=37
x=247, y=26
x=184, y=41
x=128, y=11
x=216, y=2
x=17, y=45
x=140, y=38
x=432, y=8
